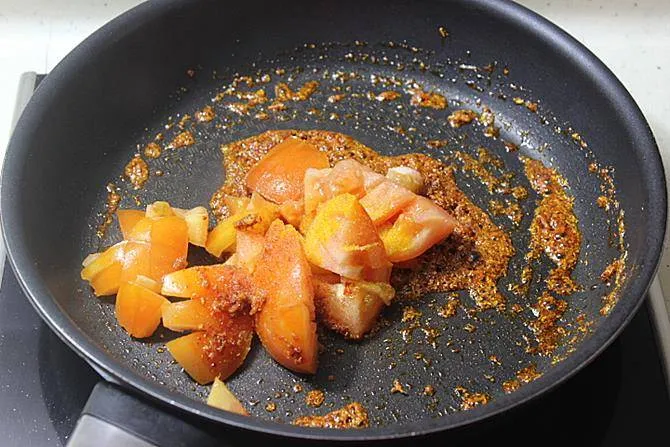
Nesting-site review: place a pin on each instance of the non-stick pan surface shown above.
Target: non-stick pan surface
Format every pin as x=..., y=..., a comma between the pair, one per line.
x=121, y=86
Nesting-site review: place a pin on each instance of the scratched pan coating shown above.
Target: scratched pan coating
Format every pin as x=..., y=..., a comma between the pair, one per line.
x=117, y=90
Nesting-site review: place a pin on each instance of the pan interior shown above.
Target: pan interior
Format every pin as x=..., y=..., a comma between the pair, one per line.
x=469, y=69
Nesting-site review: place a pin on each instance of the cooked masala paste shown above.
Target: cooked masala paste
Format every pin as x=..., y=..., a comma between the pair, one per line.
x=554, y=229
x=473, y=258
x=353, y=415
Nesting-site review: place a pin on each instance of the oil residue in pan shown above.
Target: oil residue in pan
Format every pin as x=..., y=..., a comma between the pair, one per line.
x=432, y=353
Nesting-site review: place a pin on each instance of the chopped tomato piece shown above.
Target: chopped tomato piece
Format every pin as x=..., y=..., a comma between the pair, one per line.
x=197, y=222
x=256, y=217
x=286, y=323
x=280, y=174
x=188, y=315
x=351, y=307
x=386, y=200
x=192, y=282
x=230, y=299
x=169, y=246
x=406, y=177
x=292, y=211
x=222, y=398
x=141, y=231
x=249, y=249
x=128, y=219
x=103, y=270
x=159, y=209
x=138, y=309
x=343, y=240
x=222, y=238
x=347, y=176
x=420, y=226
x=235, y=204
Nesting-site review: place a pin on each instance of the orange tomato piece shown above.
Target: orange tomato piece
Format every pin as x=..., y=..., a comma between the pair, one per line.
x=192, y=282
x=169, y=246
x=292, y=211
x=230, y=298
x=138, y=309
x=286, y=323
x=189, y=315
x=104, y=271
x=343, y=239
x=249, y=249
x=385, y=201
x=347, y=176
x=128, y=219
x=141, y=231
x=235, y=204
x=136, y=261
x=279, y=175
x=188, y=352
x=221, y=397
x=420, y=226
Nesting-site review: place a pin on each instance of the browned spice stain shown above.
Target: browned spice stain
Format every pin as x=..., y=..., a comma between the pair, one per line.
x=494, y=359
x=524, y=375
x=443, y=32
x=528, y=374
x=554, y=228
x=410, y=314
x=517, y=308
x=577, y=138
x=336, y=98
x=510, y=147
x=532, y=106
x=473, y=258
x=469, y=328
x=261, y=116
x=137, y=172
x=111, y=205
x=284, y=93
x=353, y=415
x=510, y=386
x=315, y=398
x=436, y=144
x=619, y=271
x=431, y=100
x=487, y=119
x=611, y=270
x=152, y=150
x=398, y=388
x=471, y=400
x=184, y=119
x=549, y=311
x=205, y=115
x=511, y=210
x=449, y=309
x=297, y=388
x=460, y=118
x=429, y=390
x=603, y=202
x=521, y=288
x=183, y=139
x=270, y=407
x=389, y=95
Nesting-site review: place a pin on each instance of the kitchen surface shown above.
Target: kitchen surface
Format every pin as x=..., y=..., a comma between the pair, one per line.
x=631, y=403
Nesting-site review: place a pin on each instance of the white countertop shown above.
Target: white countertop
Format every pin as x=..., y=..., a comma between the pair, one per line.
x=631, y=37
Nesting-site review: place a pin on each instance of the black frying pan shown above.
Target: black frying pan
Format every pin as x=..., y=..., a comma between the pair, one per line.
x=118, y=88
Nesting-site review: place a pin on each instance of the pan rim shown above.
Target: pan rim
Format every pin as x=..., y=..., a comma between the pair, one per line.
x=67, y=330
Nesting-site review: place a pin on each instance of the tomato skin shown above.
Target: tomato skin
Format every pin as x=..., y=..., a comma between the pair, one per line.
x=421, y=225
x=286, y=323
x=279, y=176
x=343, y=239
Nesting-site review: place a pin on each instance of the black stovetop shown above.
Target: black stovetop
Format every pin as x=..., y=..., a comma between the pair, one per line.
x=619, y=399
